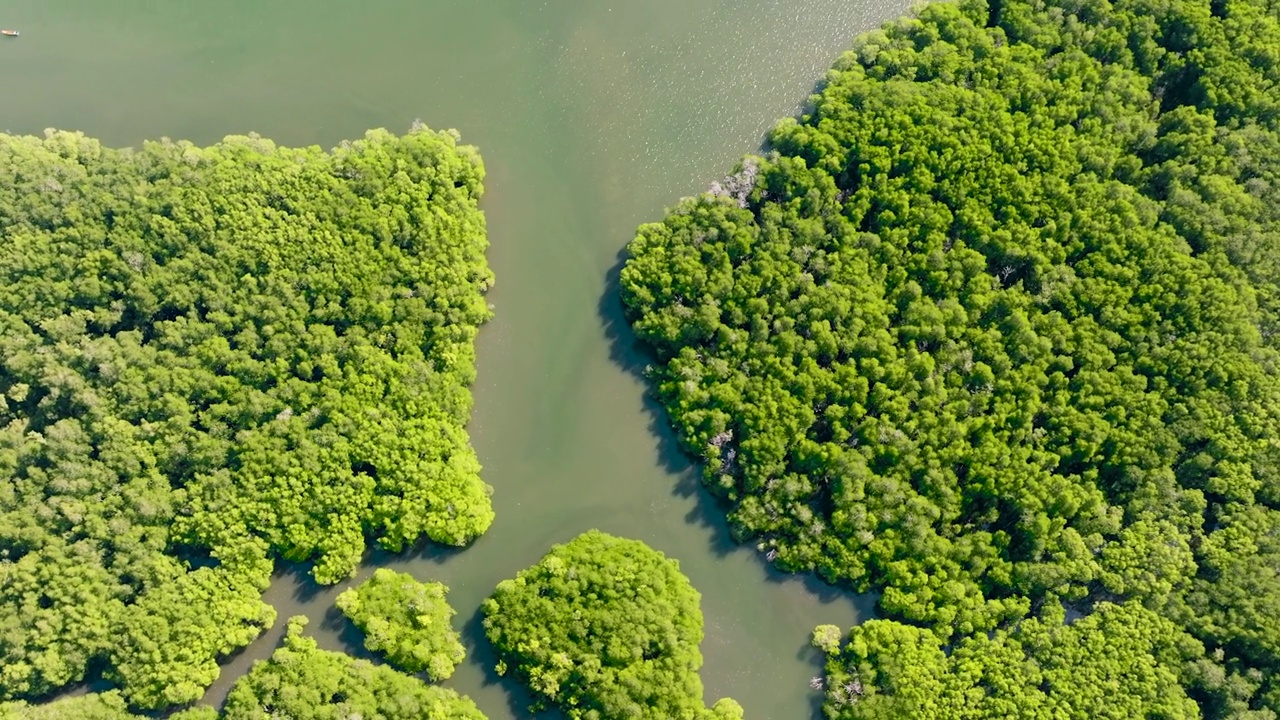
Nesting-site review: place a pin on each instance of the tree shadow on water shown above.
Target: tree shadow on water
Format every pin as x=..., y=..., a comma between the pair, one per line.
x=349, y=637
x=423, y=549
x=815, y=657
x=480, y=651
x=305, y=595
x=629, y=353
x=303, y=586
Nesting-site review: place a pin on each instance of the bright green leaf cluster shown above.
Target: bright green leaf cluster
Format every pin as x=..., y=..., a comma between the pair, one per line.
x=604, y=628
x=992, y=330
x=93, y=706
x=1041, y=669
x=174, y=634
x=302, y=681
x=299, y=681
x=211, y=358
x=407, y=621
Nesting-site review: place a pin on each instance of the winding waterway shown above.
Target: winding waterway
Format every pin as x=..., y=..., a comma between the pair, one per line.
x=592, y=117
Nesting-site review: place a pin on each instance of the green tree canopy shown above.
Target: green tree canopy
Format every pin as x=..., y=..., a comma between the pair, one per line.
x=605, y=628
x=302, y=681
x=1120, y=662
x=93, y=706
x=299, y=682
x=991, y=330
x=407, y=621
x=212, y=358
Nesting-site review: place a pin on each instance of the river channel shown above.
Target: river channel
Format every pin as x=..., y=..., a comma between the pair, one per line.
x=592, y=116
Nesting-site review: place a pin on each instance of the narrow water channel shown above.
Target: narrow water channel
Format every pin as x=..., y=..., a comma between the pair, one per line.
x=592, y=117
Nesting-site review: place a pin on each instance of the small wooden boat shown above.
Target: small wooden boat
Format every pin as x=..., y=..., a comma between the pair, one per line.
x=9, y=33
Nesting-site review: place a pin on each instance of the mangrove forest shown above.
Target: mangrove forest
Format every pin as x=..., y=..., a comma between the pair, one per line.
x=990, y=331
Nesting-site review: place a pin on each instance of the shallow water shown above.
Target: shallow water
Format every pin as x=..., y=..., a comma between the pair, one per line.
x=592, y=117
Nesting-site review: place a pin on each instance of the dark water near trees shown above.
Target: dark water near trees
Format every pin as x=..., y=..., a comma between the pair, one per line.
x=592, y=118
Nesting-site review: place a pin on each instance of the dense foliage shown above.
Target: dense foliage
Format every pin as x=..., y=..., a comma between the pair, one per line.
x=302, y=681
x=993, y=330
x=407, y=621
x=1040, y=669
x=604, y=628
x=94, y=706
x=212, y=358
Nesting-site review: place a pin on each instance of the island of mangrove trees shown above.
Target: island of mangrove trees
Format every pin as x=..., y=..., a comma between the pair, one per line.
x=407, y=621
x=604, y=628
